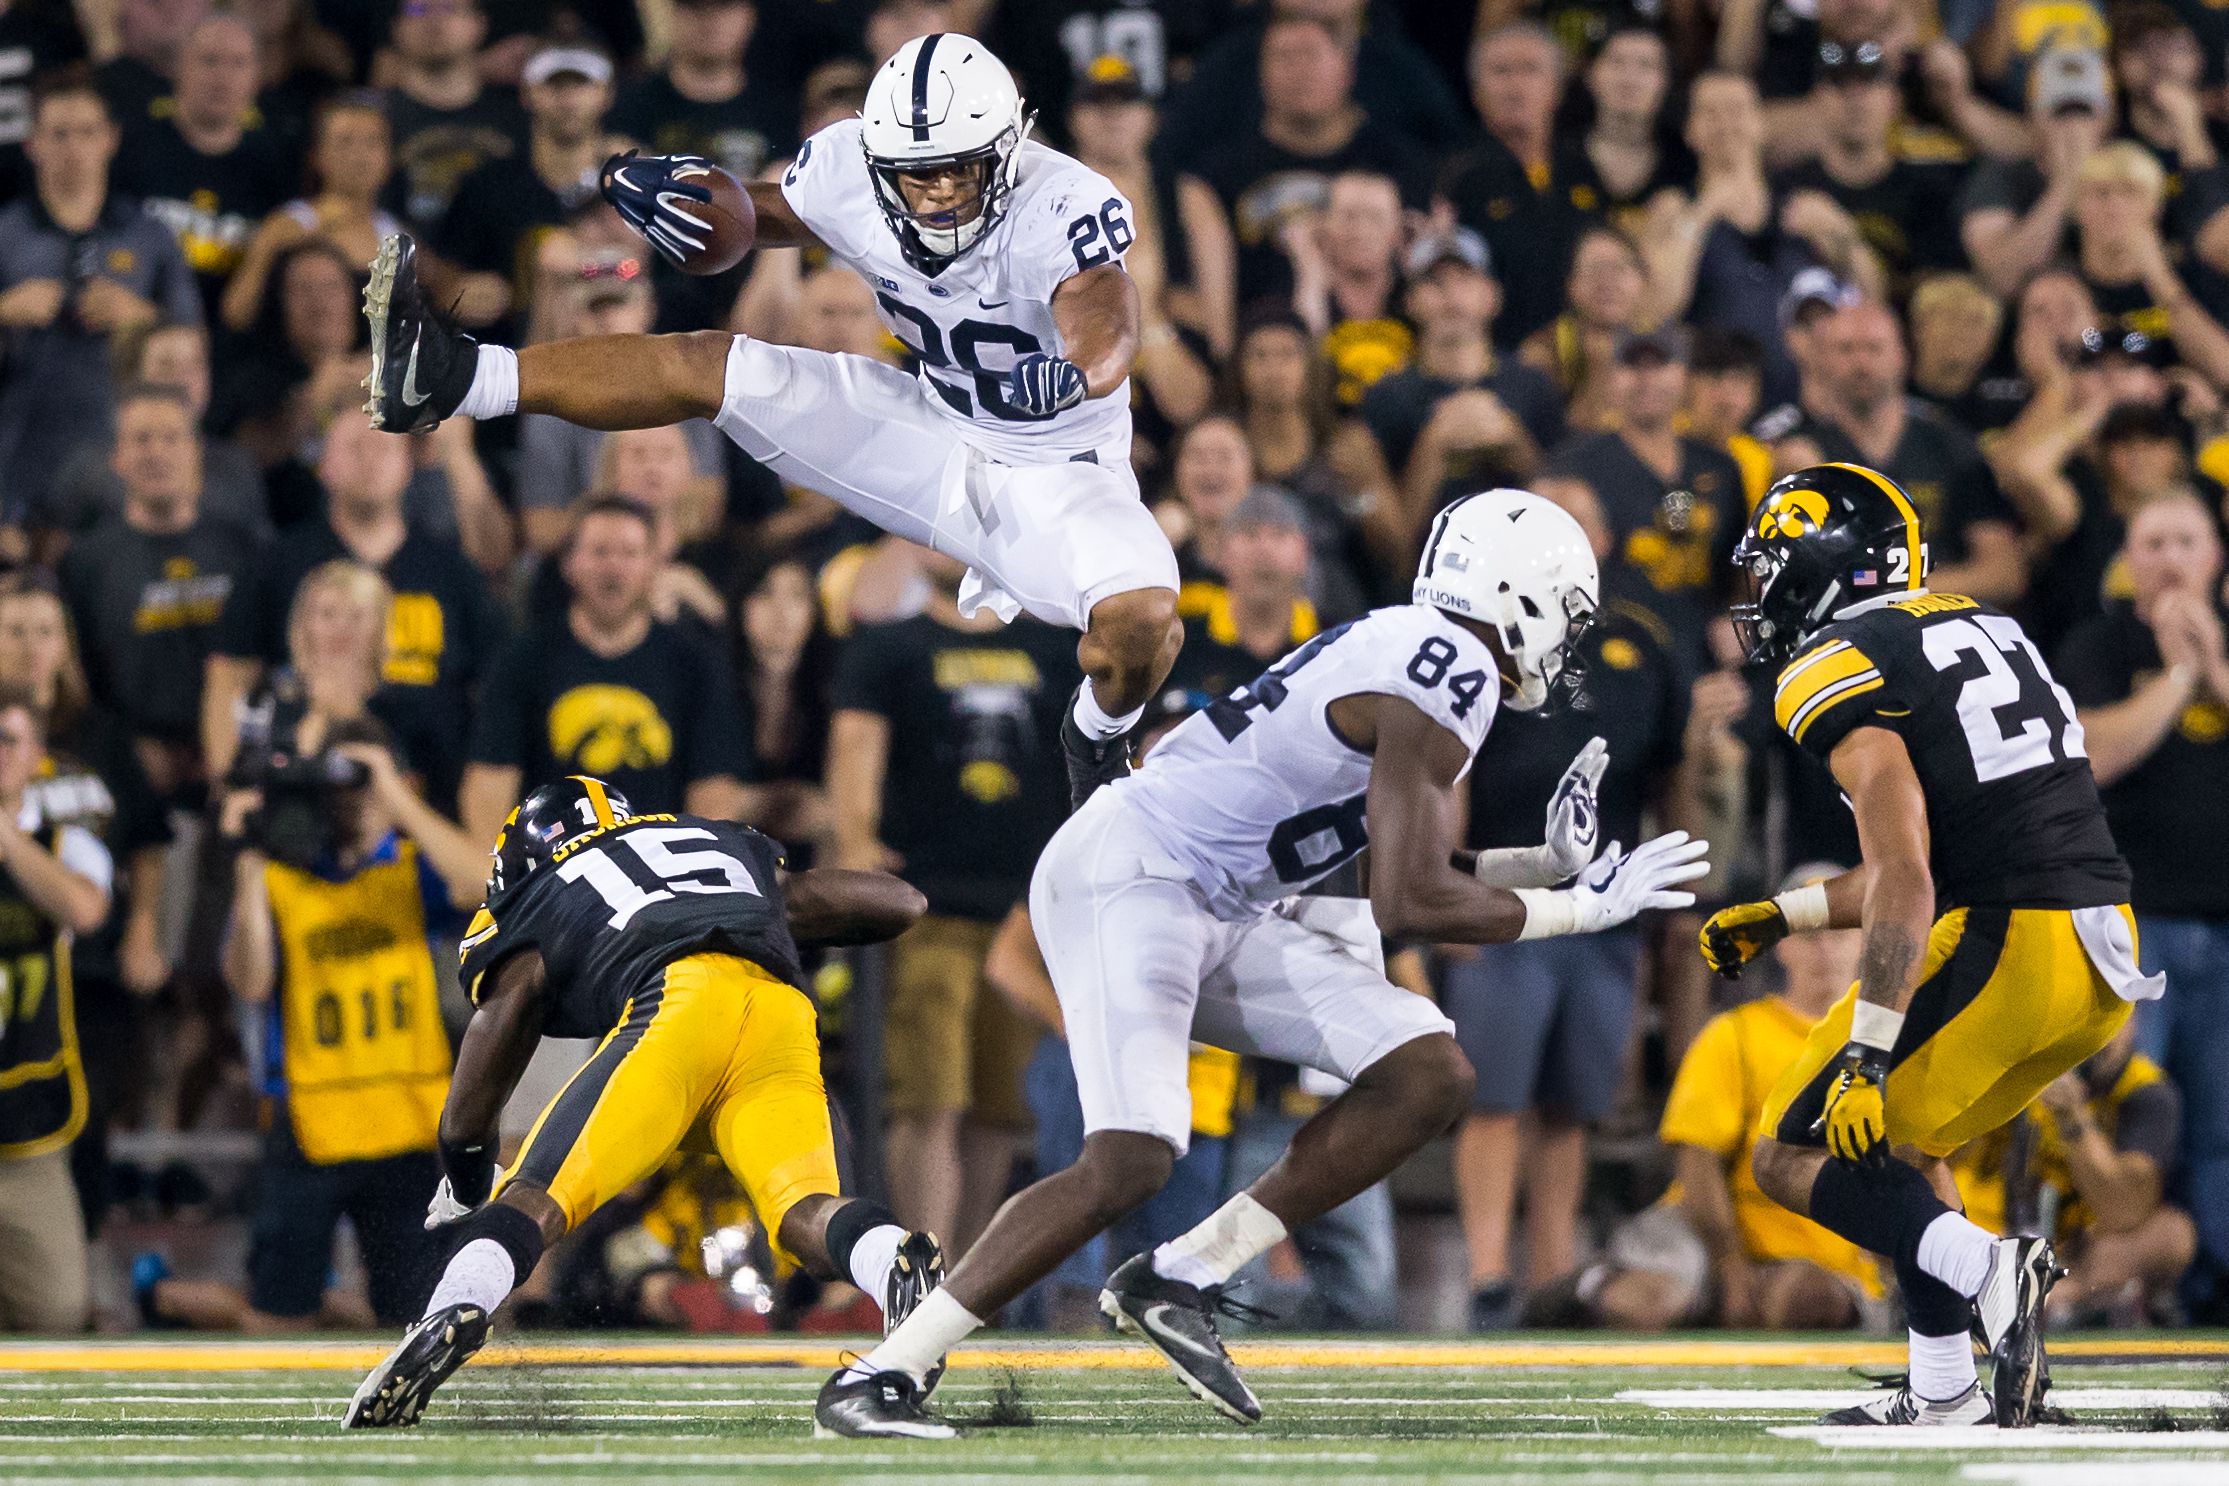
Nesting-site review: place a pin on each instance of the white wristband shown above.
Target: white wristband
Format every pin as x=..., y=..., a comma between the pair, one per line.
x=1548, y=912
x=1875, y=1026
x=1805, y=908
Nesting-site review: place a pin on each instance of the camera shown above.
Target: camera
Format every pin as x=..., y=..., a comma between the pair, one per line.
x=298, y=820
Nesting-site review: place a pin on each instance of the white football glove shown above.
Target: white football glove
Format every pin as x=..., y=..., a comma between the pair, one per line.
x=444, y=1208
x=1617, y=886
x=1573, y=831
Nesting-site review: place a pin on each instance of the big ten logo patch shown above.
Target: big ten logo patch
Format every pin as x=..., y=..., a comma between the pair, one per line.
x=415, y=639
x=601, y=729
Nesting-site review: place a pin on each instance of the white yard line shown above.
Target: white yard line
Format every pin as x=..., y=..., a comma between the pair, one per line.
x=2100, y=1473
x=1834, y=1398
x=1981, y=1437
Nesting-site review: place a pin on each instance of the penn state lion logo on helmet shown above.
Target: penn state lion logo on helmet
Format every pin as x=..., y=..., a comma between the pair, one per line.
x=604, y=729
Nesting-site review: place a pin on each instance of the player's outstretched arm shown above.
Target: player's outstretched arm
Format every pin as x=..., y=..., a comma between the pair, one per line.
x=779, y=226
x=1097, y=312
x=498, y=1042
x=832, y=906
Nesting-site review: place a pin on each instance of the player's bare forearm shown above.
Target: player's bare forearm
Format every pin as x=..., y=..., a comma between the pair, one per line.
x=1846, y=898
x=494, y=1051
x=1875, y=771
x=1416, y=891
x=778, y=225
x=1097, y=312
x=626, y=381
x=833, y=906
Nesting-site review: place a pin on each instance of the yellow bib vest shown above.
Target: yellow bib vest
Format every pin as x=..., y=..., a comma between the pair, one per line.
x=42, y=1081
x=366, y=1059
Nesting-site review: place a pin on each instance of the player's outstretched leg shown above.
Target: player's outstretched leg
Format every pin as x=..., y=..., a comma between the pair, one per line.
x=832, y=1236
x=1130, y=643
x=498, y=1246
x=422, y=366
x=1171, y=1297
x=1958, y=1280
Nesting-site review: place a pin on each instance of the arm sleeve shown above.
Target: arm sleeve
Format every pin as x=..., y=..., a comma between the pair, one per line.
x=1705, y=1107
x=1828, y=692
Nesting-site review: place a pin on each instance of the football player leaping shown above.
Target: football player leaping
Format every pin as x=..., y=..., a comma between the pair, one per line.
x=674, y=940
x=997, y=261
x=1161, y=910
x=1999, y=947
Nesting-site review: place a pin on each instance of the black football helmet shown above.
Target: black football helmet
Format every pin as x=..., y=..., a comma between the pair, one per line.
x=548, y=821
x=1822, y=539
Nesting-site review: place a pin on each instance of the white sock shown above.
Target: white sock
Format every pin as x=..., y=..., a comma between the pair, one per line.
x=1221, y=1245
x=481, y=1274
x=1957, y=1253
x=1942, y=1366
x=495, y=385
x=936, y=1326
x=1094, y=719
x=871, y=1258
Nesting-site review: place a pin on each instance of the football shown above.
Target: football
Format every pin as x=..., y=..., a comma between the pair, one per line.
x=733, y=220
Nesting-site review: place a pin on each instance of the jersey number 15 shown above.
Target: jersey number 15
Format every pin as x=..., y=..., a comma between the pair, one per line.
x=670, y=872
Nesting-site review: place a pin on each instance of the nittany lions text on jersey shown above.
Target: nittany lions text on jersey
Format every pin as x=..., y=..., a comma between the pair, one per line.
x=1259, y=795
x=618, y=905
x=969, y=323
x=2012, y=810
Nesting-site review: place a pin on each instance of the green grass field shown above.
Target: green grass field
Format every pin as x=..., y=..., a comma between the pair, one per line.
x=1575, y=1412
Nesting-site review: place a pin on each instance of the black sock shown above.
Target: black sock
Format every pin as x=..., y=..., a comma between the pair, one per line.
x=1931, y=1307
x=1883, y=1206
x=849, y=1224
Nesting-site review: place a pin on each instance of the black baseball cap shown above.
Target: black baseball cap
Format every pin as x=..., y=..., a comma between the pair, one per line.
x=1109, y=79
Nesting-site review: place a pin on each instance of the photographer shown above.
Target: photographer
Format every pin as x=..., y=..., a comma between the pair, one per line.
x=54, y=885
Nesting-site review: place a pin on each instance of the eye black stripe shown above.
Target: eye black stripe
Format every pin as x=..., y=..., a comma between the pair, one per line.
x=921, y=86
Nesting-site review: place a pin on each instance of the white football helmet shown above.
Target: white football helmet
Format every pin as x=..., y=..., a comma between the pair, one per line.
x=943, y=101
x=1520, y=563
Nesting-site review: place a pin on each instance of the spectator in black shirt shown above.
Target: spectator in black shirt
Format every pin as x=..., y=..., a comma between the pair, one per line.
x=785, y=662
x=1463, y=417
x=146, y=589
x=1311, y=129
x=1347, y=281
x=943, y=764
x=447, y=121
x=608, y=691
x=2014, y=213
x=1672, y=504
x=1211, y=470
x=351, y=156
x=1628, y=149
x=443, y=627
x=34, y=41
x=1255, y=608
x=78, y=267
x=1528, y=197
x=501, y=209
x=1974, y=545
x=202, y=160
x=2123, y=254
x=702, y=102
x=2160, y=68
x=1605, y=297
x=2150, y=678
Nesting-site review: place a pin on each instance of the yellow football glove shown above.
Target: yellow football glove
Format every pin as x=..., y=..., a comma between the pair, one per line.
x=1735, y=936
x=1855, y=1119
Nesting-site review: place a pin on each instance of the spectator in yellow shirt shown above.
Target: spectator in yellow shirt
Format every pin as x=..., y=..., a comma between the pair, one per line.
x=1716, y=1247
x=2089, y=1163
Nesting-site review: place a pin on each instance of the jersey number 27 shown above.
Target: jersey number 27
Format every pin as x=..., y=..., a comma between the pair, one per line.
x=2014, y=715
x=651, y=848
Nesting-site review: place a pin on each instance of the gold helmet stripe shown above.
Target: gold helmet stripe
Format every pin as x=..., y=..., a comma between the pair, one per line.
x=1903, y=504
x=598, y=799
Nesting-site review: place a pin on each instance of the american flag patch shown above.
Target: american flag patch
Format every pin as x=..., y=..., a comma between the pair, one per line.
x=1864, y=578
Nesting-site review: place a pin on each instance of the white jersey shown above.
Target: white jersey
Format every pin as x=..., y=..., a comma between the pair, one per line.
x=1256, y=795
x=993, y=304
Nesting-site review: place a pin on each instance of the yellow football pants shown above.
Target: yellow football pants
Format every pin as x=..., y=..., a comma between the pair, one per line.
x=724, y=1057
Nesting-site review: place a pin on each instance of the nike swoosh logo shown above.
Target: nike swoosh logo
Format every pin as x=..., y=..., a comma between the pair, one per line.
x=411, y=396
x=1152, y=1319
x=987, y=304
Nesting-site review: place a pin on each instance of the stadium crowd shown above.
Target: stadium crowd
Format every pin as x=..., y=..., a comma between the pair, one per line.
x=270, y=680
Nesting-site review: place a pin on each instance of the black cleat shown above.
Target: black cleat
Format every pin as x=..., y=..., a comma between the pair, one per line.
x=1091, y=761
x=880, y=1406
x=1904, y=1407
x=1178, y=1321
x=2009, y=1315
x=918, y=1269
x=422, y=366
x=397, y=1391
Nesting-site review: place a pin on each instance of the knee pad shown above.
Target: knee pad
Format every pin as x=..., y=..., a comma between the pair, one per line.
x=509, y=1229
x=852, y=1222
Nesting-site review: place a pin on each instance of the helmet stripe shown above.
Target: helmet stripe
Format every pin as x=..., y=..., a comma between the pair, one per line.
x=921, y=86
x=598, y=799
x=1903, y=506
x=1439, y=525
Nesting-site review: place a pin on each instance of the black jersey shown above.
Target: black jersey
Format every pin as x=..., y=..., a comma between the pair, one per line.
x=620, y=904
x=2012, y=811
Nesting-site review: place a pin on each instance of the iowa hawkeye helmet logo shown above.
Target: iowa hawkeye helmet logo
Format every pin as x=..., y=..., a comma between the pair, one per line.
x=606, y=729
x=1791, y=514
